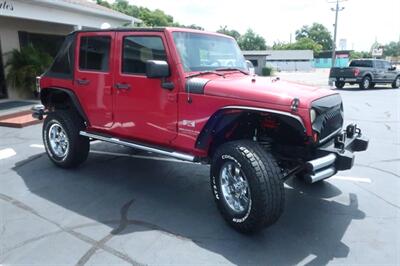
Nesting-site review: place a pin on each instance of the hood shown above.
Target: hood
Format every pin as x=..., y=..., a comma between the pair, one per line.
x=264, y=89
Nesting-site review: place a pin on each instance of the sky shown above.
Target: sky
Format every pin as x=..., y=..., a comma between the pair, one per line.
x=360, y=23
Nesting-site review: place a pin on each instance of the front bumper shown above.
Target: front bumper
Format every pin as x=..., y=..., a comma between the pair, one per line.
x=336, y=155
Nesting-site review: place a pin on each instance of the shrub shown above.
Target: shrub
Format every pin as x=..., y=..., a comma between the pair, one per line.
x=24, y=66
x=266, y=71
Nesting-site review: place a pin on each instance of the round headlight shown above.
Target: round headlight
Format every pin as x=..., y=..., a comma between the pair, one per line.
x=313, y=115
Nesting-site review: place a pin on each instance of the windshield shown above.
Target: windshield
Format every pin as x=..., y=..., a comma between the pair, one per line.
x=203, y=52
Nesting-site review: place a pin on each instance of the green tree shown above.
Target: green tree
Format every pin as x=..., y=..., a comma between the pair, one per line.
x=357, y=55
x=301, y=44
x=392, y=49
x=318, y=33
x=251, y=41
x=233, y=33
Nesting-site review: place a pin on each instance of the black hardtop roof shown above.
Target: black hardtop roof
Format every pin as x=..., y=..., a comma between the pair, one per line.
x=157, y=29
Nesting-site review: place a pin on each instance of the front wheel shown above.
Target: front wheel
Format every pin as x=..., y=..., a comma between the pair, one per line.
x=64, y=146
x=247, y=185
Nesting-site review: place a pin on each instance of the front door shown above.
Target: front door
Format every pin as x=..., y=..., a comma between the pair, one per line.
x=390, y=74
x=3, y=92
x=93, y=76
x=143, y=110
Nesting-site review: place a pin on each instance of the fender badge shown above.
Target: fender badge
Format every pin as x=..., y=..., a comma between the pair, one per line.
x=188, y=123
x=295, y=104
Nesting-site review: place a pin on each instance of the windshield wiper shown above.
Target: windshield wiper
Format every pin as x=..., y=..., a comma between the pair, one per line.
x=204, y=73
x=233, y=69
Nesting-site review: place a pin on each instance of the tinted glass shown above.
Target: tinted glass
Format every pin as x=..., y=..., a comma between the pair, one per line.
x=94, y=53
x=379, y=64
x=138, y=49
x=63, y=62
x=361, y=63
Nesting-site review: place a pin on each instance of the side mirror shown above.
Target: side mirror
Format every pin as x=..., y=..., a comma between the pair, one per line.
x=392, y=68
x=157, y=69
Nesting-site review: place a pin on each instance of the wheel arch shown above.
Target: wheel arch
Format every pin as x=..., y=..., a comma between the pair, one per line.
x=53, y=97
x=239, y=122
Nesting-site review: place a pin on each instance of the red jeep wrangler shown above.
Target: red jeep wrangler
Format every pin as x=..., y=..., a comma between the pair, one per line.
x=187, y=94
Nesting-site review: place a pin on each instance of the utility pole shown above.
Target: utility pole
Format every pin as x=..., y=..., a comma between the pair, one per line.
x=337, y=9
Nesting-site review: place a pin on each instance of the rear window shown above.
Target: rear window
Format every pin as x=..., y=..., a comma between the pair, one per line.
x=94, y=53
x=361, y=63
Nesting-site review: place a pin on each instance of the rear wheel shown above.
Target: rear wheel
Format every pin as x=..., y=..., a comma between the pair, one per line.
x=396, y=83
x=365, y=83
x=247, y=185
x=339, y=84
x=64, y=146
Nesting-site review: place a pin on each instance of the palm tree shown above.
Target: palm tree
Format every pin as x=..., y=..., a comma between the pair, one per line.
x=24, y=66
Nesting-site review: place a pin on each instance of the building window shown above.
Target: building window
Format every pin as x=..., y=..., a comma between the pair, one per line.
x=94, y=53
x=254, y=62
x=138, y=50
x=44, y=42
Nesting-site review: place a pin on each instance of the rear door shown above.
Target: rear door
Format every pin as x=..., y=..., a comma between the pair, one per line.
x=93, y=79
x=379, y=69
x=143, y=110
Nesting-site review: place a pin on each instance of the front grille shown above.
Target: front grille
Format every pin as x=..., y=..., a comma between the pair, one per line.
x=332, y=120
x=329, y=116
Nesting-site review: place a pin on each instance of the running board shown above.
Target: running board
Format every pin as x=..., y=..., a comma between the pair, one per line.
x=141, y=146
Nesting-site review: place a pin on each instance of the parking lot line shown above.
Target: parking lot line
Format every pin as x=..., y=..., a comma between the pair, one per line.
x=351, y=178
x=7, y=153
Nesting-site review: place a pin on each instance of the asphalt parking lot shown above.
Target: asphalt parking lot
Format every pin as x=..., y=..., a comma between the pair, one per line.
x=125, y=207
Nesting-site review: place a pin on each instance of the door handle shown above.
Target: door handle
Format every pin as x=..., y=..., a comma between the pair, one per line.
x=83, y=81
x=123, y=86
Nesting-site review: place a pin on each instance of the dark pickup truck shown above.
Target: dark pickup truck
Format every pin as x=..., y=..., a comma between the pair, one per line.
x=366, y=73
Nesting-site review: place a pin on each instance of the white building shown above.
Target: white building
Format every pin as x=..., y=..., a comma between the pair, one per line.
x=46, y=22
x=281, y=60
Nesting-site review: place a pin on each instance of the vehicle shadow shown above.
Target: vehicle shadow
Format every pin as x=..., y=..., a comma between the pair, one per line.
x=132, y=195
x=356, y=88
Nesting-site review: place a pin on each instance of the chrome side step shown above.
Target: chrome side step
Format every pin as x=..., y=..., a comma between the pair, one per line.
x=177, y=155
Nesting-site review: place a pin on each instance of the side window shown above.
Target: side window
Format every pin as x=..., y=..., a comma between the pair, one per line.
x=387, y=65
x=137, y=50
x=94, y=53
x=379, y=64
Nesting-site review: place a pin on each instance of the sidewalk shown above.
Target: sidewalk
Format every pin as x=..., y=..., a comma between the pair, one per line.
x=16, y=113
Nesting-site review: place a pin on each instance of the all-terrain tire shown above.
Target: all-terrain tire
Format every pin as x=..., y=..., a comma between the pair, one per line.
x=77, y=149
x=396, y=83
x=339, y=84
x=265, y=185
x=366, y=83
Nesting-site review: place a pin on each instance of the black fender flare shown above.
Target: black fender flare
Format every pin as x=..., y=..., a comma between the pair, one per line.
x=228, y=114
x=72, y=96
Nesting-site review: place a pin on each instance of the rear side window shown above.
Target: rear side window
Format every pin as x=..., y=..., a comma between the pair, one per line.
x=63, y=62
x=361, y=63
x=379, y=64
x=137, y=50
x=94, y=53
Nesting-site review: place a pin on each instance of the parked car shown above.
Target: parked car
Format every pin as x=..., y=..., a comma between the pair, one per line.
x=366, y=73
x=148, y=89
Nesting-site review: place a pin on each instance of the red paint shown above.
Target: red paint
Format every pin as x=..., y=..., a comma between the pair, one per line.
x=152, y=114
